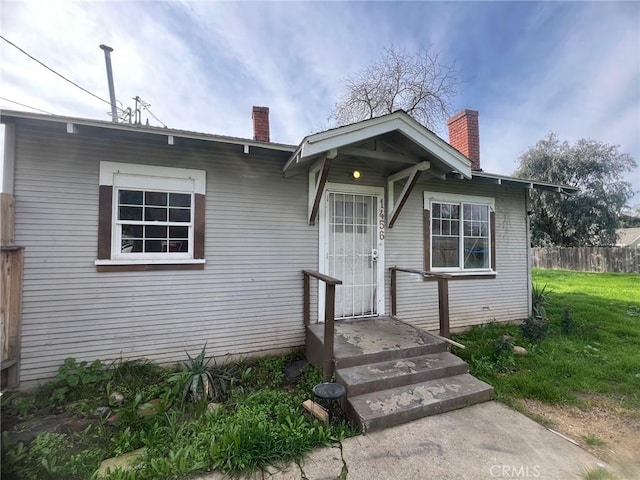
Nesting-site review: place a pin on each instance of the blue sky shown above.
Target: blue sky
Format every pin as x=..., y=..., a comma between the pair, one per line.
x=529, y=68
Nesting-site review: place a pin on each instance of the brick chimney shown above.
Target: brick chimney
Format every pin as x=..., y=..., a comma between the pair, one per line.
x=464, y=135
x=260, y=124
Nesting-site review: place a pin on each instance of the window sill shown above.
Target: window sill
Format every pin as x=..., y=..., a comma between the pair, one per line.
x=148, y=265
x=459, y=275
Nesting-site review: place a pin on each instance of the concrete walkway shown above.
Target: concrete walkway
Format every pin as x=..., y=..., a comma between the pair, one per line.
x=485, y=441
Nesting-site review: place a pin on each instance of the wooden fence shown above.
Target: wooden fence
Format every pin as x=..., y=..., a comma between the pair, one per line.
x=11, y=273
x=587, y=259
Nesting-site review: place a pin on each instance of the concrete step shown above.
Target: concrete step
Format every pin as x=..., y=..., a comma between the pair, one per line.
x=377, y=410
x=363, y=379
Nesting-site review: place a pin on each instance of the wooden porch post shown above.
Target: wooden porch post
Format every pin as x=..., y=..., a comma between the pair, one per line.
x=443, y=306
x=306, y=300
x=329, y=318
x=393, y=291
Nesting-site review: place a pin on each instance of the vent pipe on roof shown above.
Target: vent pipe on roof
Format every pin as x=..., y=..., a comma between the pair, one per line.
x=112, y=91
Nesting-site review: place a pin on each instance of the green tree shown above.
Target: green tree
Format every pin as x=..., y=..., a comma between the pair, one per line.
x=590, y=216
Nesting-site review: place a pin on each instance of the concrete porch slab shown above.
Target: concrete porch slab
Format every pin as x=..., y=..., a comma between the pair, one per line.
x=376, y=339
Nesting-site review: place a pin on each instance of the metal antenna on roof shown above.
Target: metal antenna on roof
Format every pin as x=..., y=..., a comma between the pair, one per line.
x=112, y=92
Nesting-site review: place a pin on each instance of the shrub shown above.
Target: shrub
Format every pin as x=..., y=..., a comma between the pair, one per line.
x=77, y=380
x=503, y=344
x=199, y=383
x=539, y=299
x=534, y=329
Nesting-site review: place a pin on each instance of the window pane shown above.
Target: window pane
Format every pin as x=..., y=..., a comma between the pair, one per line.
x=130, y=197
x=467, y=211
x=455, y=211
x=153, y=246
x=436, y=210
x=155, y=198
x=175, y=246
x=127, y=246
x=467, y=228
x=178, y=232
x=446, y=227
x=179, y=200
x=483, y=213
x=131, y=246
x=476, y=253
x=445, y=252
x=155, y=214
x=179, y=215
x=455, y=227
x=130, y=213
x=435, y=225
x=445, y=210
x=131, y=231
x=154, y=231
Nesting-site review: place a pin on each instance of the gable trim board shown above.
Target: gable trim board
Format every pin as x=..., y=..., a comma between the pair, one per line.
x=247, y=296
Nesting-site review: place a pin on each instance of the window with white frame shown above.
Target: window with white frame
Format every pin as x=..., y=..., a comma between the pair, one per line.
x=150, y=215
x=152, y=222
x=460, y=232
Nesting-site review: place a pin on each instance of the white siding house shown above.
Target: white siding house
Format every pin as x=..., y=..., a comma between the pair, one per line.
x=239, y=228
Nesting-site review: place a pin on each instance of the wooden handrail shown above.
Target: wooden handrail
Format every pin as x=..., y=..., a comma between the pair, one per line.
x=443, y=294
x=321, y=276
x=329, y=316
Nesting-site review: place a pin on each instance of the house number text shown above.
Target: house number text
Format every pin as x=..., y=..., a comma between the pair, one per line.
x=381, y=220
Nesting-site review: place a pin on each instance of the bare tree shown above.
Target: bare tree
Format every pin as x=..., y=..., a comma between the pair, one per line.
x=418, y=84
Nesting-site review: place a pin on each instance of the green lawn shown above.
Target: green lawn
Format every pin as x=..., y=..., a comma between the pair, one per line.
x=598, y=351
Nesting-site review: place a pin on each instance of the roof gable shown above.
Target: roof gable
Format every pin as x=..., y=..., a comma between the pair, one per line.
x=628, y=236
x=417, y=137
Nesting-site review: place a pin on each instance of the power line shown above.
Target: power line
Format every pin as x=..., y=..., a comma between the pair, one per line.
x=53, y=71
x=124, y=112
x=152, y=114
x=27, y=106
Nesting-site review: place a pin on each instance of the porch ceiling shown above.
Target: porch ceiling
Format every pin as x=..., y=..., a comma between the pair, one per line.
x=389, y=144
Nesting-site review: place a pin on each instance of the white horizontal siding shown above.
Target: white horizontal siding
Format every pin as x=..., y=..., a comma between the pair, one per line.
x=248, y=298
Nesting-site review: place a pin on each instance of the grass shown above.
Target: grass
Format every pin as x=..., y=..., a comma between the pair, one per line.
x=599, y=474
x=591, y=345
x=593, y=440
x=259, y=420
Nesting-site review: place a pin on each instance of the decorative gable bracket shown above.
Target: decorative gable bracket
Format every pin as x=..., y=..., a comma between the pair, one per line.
x=316, y=185
x=395, y=206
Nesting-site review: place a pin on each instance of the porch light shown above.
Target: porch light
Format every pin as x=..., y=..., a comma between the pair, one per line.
x=356, y=174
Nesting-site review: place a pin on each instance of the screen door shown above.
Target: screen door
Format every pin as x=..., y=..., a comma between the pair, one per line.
x=353, y=252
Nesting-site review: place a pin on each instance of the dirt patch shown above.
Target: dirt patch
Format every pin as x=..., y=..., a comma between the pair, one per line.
x=601, y=426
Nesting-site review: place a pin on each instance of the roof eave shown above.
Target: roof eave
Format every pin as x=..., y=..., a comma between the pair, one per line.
x=144, y=129
x=526, y=183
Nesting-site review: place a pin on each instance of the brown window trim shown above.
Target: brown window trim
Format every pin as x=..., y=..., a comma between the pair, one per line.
x=462, y=276
x=105, y=222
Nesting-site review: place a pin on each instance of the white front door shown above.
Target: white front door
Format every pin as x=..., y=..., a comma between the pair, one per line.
x=352, y=248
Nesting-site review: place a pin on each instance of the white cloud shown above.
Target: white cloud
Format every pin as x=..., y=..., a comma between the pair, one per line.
x=202, y=65
x=586, y=88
